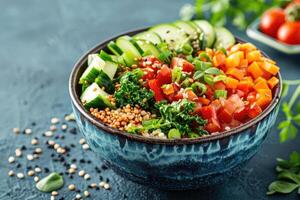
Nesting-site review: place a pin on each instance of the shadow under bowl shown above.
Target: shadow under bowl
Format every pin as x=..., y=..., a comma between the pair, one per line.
x=171, y=164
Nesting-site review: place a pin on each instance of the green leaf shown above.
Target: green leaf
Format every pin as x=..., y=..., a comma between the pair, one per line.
x=284, y=124
x=297, y=119
x=286, y=109
x=298, y=108
x=289, y=176
x=295, y=158
x=198, y=75
x=283, y=187
x=285, y=164
x=288, y=133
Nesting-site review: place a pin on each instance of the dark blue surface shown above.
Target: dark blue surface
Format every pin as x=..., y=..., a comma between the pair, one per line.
x=39, y=43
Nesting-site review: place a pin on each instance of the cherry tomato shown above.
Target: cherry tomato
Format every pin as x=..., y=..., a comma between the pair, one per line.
x=271, y=21
x=155, y=87
x=164, y=75
x=289, y=33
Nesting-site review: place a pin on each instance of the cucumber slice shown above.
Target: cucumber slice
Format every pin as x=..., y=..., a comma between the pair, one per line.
x=114, y=48
x=130, y=52
x=94, y=68
x=190, y=30
x=95, y=97
x=208, y=30
x=148, y=47
x=110, y=69
x=148, y=36
x=92, y=71
x=103, y=80
x=173, y=36
x=105, y=56
x=91, y=57
x=134, y=44
x=224, y=39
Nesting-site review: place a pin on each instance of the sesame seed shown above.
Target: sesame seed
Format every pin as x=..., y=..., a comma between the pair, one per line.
x=86, y=193
x=71, y=171
x=54, y=120
x=51, y=143
x=52, y=128
x=106, y=186
x=81, y=173
x=11, y=173
x=73, y=166
x=11, y=159
x=64, y=127
x=101, y=184
x=34, y=141
x=54, y=193
x=78, y=196
x=30, y=173
x=82, y=141
x=87, y=176
x=37, y=170
x=48, y=133
x=93, y=185
x=85, y=146
x=30, y=157
x=38, y=150
x=16, y=130
x=52, y=197
x=28, y=131
x=71, y=187
x=18, y=152
x=36, y=179
x=20, y=175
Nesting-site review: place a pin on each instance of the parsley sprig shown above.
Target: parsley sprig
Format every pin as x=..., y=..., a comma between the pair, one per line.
x=288, y=129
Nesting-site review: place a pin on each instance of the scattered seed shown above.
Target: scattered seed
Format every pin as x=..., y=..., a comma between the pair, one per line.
x=53, y=128
x=61, y=150
x=71, y=187
x=70, y=117
x=82, y=141
x=36, y=156
x=106, y=186
x=81, y=173
x=54, y=193
x=30, y=173
x=54, y=120
x=73, y=166
x=18, y=152
x=87, y=177
x=20, y=175
x=38, y=150
x=37, y=170
x=93, y=185
x=28, y=131
x=30, y=157
x=11, y=159
x=11, y=173
x=34, y=141
x=56, y=146
x=78, y=196
x=101, y=184
x=85, y=146
x=71, y=171
x=36, y=179
x=51, y=143
x=52, y=197
x=48, y=133
x=16, y=130
x=86, y=193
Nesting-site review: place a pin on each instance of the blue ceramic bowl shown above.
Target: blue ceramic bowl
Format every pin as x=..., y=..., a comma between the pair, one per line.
x=171, y=164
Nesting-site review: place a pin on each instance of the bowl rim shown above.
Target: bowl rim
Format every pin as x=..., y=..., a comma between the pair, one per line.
x=138, y=138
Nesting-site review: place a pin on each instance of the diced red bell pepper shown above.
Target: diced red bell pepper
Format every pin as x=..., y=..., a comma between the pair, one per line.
x=224, y=116
x=254, y=110
x=242, y=115
x=184, y=64
x=208, y=112
x=164, y=75
x=213, y=126
x=155, y=87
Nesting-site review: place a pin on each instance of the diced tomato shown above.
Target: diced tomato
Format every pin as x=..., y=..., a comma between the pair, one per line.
x=224, y=116
x=216, y=104
x=198, y=108
x=191, y=95
x=213, y=126
x=148, y=74
x=178, y=96
x=155, y=87
x=242, y=86
x=164, y=75
x=219, y=85
x=254, y=110
x=208, y=112
x=233, y=103
x=251, y=97
x=240, y=93
x=209, y=92
x=180, y=62
x=242, y=115
x=149, y=61
x=236, y=73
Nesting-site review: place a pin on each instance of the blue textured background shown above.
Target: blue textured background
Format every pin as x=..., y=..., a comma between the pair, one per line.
x=39, y=43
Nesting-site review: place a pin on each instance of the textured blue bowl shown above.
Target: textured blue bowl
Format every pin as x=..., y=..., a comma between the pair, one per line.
x=171, y=164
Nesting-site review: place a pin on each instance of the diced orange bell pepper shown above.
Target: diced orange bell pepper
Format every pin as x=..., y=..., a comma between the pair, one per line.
x=269, y=67
x=244, y=63
x=209, y=52
x=231, y=83
x=259, y=79
x=219, y=59
x=247, y=47
x=266, y=74
x=264, y=97
x=253, y=56
x=204, y=101
x=241, y=55
x=272, y=82
x=255, y=70
x=168, y=89
x=261, y=85
x=233, y=60
x=235, y=48
x=236, y=73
